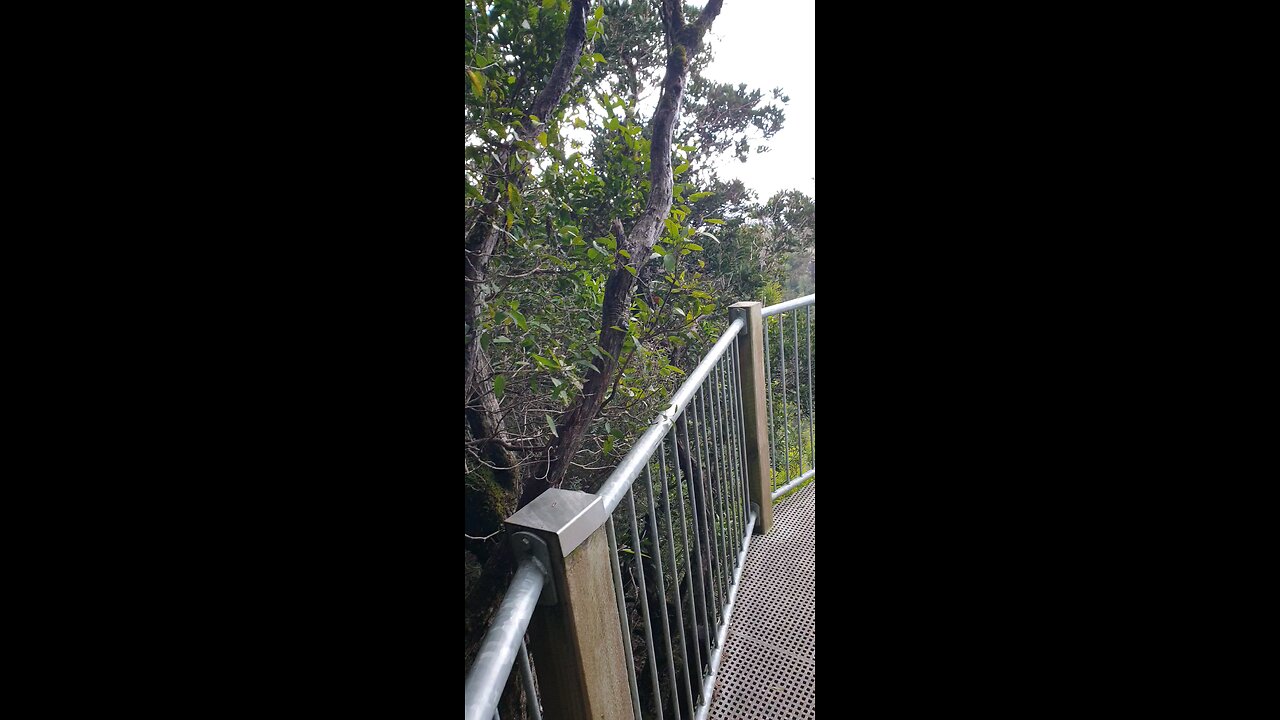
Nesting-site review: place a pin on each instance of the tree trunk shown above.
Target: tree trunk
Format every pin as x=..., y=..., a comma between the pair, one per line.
x=483, y=419
x=686, y=42
x=496, y=499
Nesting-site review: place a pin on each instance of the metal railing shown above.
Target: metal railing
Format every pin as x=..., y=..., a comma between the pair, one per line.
x=686, y=558
x=792, y=471
x=503, y=643
x=686, y=528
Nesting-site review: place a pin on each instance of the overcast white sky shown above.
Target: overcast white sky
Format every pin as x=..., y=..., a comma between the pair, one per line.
x=768, y=44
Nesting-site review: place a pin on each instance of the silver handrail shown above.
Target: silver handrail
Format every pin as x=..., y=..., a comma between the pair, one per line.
x=492, y=666
x=789, y=305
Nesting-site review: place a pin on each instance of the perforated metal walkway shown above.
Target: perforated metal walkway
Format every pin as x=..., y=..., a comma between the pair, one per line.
x=768, y=665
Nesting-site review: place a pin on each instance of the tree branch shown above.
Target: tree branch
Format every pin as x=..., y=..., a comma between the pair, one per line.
x=685, y=42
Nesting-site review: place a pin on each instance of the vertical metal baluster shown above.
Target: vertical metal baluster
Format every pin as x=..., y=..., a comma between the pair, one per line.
x=526, y=676
x=731, y=484
x=742, y=444
x=698, y=509
x=813, y=441
x=726, y=486
x=737, y=437
x=786, y=442
x=768, y=381
x=611, y=534
x=740, y=485
x=795, y=336
x=675, y=572
x=741, y=439
x=644, y=602
x=718, y=579
x=698, y=565
x=656, y=533
x=677, y=470
x=721, y=506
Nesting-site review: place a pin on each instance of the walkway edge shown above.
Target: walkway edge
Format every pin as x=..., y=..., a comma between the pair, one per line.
x=709, y=686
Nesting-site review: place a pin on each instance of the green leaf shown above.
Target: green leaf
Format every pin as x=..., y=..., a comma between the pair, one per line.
x=548, y=4
x=472, y=191
x=502, y=339
x=680, y=169
x=698, y=196
x=631, y=270
x=608, y=445
x=511, y=79
x=713, y=221
x=477, y=82
x=669, y=262
x=599, y=12
x=693, y=246
x=499, y=384
x=660, y=249
x=534, y=118
x=625, y=254
x=544, y=362
x=686, y=148
x=597, y=57
x=542, y=138
x=557, y=381
x=524, y=325
x=551, y=424
x=579, y=123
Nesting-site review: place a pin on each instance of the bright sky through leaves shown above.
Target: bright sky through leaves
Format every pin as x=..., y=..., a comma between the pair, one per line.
x=768, y=44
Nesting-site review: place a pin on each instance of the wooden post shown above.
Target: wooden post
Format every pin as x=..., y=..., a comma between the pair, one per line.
x=576, y=642
x=754, y=411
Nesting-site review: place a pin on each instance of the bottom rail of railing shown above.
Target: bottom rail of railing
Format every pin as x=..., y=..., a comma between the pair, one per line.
x=794, y=483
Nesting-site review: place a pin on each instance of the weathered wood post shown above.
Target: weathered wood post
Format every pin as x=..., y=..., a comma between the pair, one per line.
x=575, y=635
x=754, y=411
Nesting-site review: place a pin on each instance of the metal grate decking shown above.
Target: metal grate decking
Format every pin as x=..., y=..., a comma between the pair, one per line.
x=768, y=665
